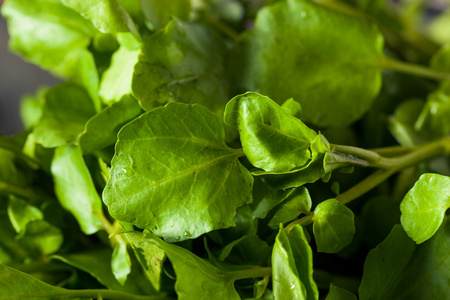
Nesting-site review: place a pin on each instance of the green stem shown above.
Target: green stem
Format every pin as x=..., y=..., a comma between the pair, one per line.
x=223, y=27
x=252, y=273
x=392, y=151
x=418, y=70
x=302, y=222
x=419, y=154
x=16, y=190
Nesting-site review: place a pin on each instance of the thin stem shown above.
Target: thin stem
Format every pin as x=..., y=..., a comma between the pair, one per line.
x=252, y=273
x=16, y=190
x=224, y=27
x=421, y=153
x=413, y=69
x=302, y=222
x=392, y=151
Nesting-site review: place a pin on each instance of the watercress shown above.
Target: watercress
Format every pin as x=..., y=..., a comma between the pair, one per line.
x=228, y=149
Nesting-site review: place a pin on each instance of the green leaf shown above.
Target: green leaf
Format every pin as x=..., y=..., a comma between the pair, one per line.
x=424, y=206
x=75, y=190
x=184, y=62
x=21, y=213
x=159, y=13
x=176, y=152
x=401, y=124
x=149, y=255
x=66, y=109
x=98, y=264
x=333, y=226
x=292, y=266
x=116, y=81
x=29, y=25
x=293, y=108
x=337, y=293
x=293, y=51
x=434, y=118
x=299, y=202
x=101, y=130
x=17, y=285
x=197, y=279
x=121, y=263
x=41, y=237
x=249, y=249
x=108, y=16
x=272, y=139
x=265, y=197
x=400, y=269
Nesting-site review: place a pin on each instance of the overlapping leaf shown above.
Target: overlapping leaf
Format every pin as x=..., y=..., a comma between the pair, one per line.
x=162, y=173
x=293, y=51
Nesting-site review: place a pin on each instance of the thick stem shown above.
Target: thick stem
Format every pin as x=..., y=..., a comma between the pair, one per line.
x=419, y=154
x=302, y=222
x=418, y=70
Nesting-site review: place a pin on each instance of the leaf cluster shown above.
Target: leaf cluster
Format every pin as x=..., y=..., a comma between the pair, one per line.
x=228, y=149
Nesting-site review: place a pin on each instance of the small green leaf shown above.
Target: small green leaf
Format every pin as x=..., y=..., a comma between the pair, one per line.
x=66, y=110
x=401, y=124
x=299, y=202
x=272, y=139
x=21, y=213
x=121, y=263
x=333, y=226
x=41, y=237
x=265, y=197
x=337, y=293
x=159, y=13
x=197, y=279
x=162, y=173
x=101, y=130
x=293, y=108
x=423, y=208
x=185, y=63
x=149, y=255
x=292, y=266
x=106, y=15
x=293, y=51
x=248, y=250
x=116, y=81
x=75, y=190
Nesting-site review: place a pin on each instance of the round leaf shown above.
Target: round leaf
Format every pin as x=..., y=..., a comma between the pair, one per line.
x=423, y=208
x=294, y=51
x=174, y=175
x=333, y=227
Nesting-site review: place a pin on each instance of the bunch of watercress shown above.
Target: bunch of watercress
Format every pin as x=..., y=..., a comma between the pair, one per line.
x=324, y=176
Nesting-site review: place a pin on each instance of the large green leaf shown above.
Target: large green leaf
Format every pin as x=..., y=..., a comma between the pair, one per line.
x=149, y=255
x=101, y=130
x=66, y=110
x=116, y=81
x=272, y=139
x=292, y=266
x=423, y=208
x=400, y=269
x=173, y=174
x=197, y=279
x=106, y=15
x=75, y=189
x=333, y=226
x=183, y=62
x=294, y=51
